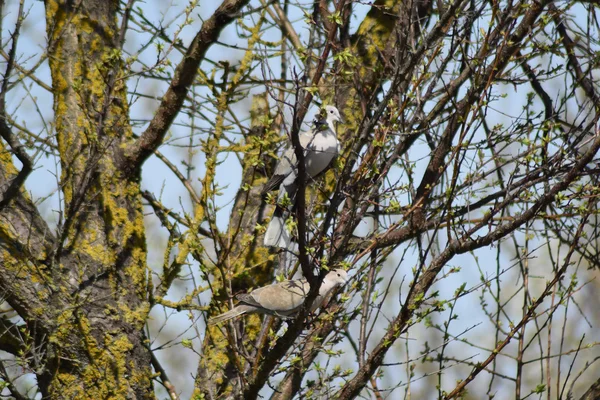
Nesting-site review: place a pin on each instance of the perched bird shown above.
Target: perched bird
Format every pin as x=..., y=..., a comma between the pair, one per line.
x=283, y=299
x=321, y=147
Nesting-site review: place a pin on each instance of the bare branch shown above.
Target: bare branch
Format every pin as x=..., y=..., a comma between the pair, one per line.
x=18, y=149
x=185, y=74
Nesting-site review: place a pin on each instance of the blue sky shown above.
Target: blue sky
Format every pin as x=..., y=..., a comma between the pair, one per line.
x=31, y=106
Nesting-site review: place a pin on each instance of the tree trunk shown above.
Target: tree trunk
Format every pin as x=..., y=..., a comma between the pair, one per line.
x=89, y=304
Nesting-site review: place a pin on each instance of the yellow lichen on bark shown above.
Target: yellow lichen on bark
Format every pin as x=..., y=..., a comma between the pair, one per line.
x=104, y=224
x=6, y=161
x=20, y=262
x=103, y=377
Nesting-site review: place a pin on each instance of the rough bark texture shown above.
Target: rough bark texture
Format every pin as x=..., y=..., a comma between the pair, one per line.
x=415, y=75
x=98, y=262
x=593, y=393
x=83, y=292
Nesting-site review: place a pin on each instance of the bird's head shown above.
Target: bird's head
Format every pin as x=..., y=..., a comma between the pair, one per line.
x=333, y=115
x=337, y=276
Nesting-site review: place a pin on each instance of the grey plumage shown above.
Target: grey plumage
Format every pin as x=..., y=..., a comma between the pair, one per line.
x=283, y=299
x=321, y=148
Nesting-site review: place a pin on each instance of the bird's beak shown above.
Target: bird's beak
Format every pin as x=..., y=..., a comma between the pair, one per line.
x=341, y=120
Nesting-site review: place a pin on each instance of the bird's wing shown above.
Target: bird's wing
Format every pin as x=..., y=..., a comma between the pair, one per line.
x=327, y=167
x=247, y=298
x=282, y=298
x=286, y=165
x=272, y=184
x=322, y=151
x=288, y=161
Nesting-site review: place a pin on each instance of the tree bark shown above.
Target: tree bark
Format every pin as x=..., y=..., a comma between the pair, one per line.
x=97, y=265
x=593, y=393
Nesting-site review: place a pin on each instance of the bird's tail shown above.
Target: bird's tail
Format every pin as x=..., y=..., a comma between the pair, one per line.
x=277, y=234
x=231, y=314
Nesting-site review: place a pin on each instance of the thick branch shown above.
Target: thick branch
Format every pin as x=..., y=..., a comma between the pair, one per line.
x=17, y=148
x=25, y=239
x=593, y=392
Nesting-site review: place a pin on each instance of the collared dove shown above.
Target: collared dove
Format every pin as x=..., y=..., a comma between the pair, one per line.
x=321, y=148
x=283, y=299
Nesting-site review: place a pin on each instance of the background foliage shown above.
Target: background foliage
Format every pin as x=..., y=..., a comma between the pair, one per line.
x=135, y=140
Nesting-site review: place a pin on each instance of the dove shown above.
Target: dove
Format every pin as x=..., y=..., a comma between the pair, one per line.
x=321, y=147
x=283, y=299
